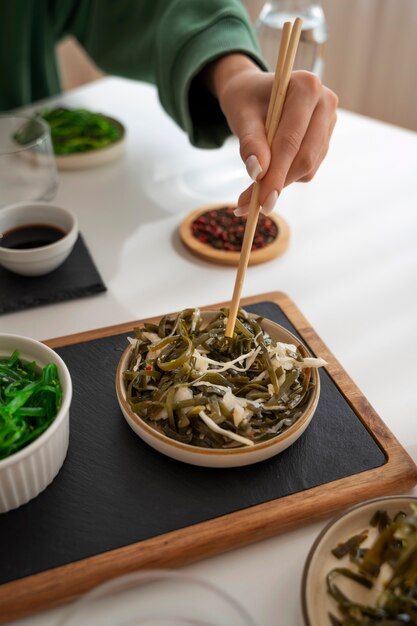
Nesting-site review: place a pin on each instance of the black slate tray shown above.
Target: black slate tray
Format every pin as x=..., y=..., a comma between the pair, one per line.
x=114, y=491
x=77, y=277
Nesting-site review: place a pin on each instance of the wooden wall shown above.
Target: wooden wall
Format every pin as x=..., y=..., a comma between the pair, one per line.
x=371, y=57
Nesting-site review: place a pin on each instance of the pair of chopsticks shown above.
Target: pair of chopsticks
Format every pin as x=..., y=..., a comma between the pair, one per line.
x=287, y=51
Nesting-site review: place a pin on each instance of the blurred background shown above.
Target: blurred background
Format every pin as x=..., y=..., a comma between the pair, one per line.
x=370, y=58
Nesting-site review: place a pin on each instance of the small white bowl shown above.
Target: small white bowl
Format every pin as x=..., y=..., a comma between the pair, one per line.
x=43, y=259
x=316, y=602
x=231, y=457
x=26, y=473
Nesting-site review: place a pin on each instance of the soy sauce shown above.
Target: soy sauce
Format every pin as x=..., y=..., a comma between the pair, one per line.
x=31, y=236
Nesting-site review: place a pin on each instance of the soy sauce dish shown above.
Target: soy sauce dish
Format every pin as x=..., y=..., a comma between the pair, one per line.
x=204, y=399
x=36, y=238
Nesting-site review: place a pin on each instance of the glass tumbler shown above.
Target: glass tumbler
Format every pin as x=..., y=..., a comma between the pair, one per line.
x=270, y=23
x=28, y=169
x=157, y=598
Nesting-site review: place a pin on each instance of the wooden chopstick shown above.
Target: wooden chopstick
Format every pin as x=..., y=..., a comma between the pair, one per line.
x=285, y=62
x=283, y=50
x=284, y=79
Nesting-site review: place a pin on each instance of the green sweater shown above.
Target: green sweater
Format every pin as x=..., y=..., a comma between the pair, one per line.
x=166, y=42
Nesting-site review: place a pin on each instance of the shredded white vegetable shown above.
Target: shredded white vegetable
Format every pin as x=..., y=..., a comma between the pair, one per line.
x=152, y=337
x=221, y=431
x=194, y=319
x=229, y=399
x=224, y=366
x=136, y=365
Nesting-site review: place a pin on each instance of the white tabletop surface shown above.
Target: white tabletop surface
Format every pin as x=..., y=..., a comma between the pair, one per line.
x=351, y=268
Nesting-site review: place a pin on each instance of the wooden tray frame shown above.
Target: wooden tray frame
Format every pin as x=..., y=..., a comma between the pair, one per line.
x=53, y=587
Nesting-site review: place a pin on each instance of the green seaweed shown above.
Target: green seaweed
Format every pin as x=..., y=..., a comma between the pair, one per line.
x=29, y=401
x=396, y=548
x=170, y=390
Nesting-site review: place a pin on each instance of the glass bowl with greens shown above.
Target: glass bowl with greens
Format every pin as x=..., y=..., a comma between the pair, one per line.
x=80, y=138
x=199, y=397
x=35, y=396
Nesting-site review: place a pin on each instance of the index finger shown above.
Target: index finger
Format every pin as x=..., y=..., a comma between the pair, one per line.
x=302, y=97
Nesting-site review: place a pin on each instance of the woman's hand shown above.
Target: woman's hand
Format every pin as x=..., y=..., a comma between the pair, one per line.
x=302, y=139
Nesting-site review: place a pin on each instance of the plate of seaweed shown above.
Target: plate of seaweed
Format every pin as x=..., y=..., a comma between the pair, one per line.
x=80, y=138
x=202, y=398
x=362, y=568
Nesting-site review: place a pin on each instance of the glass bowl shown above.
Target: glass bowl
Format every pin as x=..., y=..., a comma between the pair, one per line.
x=157, y=598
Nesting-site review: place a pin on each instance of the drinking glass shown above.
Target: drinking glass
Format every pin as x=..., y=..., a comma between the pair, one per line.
x=28, y=169
x=157, y=598
x=270, y=23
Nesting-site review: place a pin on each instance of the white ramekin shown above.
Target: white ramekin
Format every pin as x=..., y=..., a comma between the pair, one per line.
x=26, y=473
x=45, y=259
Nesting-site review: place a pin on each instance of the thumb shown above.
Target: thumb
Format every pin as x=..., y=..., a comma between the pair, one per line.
x=254, y=148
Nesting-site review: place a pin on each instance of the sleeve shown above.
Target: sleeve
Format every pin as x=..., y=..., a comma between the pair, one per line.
x=168, y=42
x=191, y=35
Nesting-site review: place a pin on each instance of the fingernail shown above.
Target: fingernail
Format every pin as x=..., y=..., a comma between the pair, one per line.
x=253, y=167
x=269, y=204
x=241, y=210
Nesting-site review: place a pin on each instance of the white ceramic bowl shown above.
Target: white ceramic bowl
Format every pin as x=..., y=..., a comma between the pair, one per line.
x=233, y=457
x=26, y=473
x=316, y=602
x=44, y=259
x=94, y=158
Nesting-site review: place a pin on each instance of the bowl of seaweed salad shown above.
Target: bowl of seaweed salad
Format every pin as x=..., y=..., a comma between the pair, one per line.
x=199, y=397
x=80, y=138
x=35, y=396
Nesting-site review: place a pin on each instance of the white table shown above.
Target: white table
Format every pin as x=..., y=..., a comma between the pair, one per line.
x=351, y=268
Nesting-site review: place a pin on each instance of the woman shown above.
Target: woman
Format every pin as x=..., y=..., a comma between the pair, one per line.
x=204, y=59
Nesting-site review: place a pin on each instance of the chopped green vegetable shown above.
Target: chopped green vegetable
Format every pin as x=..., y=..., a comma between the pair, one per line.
x=350, y=546
x=395, y=548
x=74, y=130
x=29, y=402
x=187, y=380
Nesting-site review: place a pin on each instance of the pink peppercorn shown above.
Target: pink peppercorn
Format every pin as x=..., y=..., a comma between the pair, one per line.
x=223, y=230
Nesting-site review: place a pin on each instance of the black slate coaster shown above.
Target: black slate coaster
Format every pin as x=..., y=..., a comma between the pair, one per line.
x=77, y=277
x=114, y=490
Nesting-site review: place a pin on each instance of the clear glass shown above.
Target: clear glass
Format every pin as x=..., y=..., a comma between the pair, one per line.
x=28, y=169
x=310, y=53
x=157, y=598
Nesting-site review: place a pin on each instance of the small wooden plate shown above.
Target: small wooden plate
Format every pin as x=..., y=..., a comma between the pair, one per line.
x=224, y=257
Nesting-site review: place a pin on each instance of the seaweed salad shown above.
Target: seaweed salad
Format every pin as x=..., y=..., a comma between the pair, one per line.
x=193, y=384
x=30, y=398
x=388, y=564
x=73, y=130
